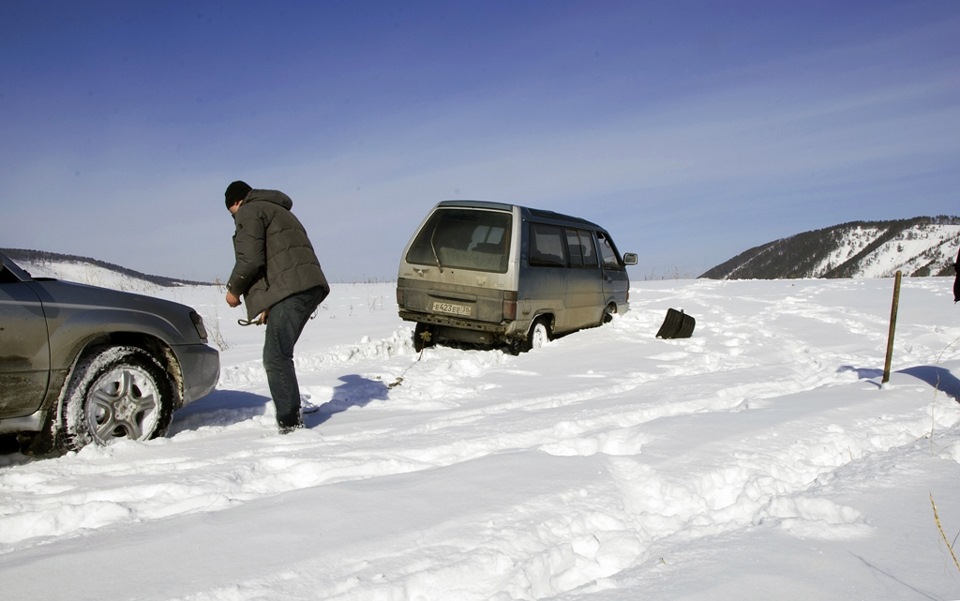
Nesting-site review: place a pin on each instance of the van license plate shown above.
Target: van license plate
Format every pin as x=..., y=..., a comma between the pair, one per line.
x=453, y=309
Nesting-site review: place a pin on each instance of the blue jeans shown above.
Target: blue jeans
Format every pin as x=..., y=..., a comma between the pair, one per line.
x=285, y=323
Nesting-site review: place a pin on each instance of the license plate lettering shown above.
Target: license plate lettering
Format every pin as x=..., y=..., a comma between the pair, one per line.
x=453, y=309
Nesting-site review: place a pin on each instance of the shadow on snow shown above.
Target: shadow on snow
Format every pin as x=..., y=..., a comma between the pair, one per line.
x=219, y=408
x=228, y=407
x=937, y=377
x=355, y=391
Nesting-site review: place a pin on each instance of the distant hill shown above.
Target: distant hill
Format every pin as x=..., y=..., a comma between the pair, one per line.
x=922, y=246
x=83, y=269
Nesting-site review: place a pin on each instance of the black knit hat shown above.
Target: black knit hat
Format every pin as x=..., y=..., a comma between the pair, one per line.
x=236, y=191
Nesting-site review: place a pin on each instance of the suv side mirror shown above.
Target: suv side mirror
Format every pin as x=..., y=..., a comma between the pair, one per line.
x=629, y=258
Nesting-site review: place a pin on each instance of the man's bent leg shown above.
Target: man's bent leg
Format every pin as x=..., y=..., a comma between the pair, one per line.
x=285, y=323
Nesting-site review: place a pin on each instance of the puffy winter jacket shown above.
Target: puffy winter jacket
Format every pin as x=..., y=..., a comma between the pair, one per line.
x=274, y=257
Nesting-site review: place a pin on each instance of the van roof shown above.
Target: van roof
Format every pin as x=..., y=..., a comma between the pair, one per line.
x=526, y=212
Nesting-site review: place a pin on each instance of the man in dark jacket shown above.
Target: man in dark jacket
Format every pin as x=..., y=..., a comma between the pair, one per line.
x=278, y=274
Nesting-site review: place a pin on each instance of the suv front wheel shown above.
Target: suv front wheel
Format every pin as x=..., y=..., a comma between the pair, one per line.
x=116, y=392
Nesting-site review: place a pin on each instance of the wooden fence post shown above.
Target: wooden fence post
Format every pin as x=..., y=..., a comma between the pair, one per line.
x=893, y=327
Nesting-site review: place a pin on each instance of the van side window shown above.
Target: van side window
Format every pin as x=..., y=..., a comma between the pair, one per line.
x=574, y=248
x=546, y=246
x=590, y=249
x=583, y=252
x=611, y=258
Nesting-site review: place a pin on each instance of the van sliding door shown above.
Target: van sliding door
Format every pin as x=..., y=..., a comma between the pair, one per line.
x=543, y=286
x=585, y=296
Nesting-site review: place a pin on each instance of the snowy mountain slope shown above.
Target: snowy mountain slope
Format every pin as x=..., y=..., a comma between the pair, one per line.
x=917, y=247
x=41, y=264
x=759, y=459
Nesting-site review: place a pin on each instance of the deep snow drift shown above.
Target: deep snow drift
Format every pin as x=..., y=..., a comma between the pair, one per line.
x=760, y=459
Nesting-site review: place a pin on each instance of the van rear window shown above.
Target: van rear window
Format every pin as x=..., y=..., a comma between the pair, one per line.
x=465, y=239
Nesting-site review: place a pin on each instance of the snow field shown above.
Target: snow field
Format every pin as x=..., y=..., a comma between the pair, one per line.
x=760, y=458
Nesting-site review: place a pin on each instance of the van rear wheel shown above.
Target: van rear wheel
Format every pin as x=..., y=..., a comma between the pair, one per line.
x=422, y=337
x=540, y=334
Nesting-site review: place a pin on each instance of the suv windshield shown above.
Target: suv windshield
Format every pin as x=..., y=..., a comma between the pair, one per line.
x=464, y=239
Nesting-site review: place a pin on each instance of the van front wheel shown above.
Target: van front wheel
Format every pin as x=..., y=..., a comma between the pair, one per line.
x=608, y=314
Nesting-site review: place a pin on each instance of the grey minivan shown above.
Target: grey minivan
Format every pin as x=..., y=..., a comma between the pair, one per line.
x=81, y=364
x=491, y=273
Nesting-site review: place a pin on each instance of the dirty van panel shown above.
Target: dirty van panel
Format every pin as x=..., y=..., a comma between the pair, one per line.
x=616, y=283
x=585, y=298
x=543, y=285
x=464, y=239
x=447, y=302
x=456, y=276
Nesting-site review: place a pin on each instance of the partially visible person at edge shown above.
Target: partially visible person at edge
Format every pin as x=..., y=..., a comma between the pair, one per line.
x=279, y=276
x=956, y=279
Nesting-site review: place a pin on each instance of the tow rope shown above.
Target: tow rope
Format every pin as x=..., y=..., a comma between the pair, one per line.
x=425, y=337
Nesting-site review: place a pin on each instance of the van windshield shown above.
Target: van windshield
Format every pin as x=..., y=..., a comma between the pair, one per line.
x=465, y=239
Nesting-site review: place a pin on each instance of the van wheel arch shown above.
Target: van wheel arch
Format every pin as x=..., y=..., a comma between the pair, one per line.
x=539, y=334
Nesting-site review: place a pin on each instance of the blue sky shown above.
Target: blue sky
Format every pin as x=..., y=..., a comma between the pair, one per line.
x=691, y=130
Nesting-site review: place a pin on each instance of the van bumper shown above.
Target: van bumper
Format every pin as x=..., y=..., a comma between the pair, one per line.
x=463, y=330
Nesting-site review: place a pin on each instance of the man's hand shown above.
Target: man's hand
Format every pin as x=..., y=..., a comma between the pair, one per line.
x=232, y=299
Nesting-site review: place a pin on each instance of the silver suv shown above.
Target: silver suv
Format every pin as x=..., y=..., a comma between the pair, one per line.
x=81, y=364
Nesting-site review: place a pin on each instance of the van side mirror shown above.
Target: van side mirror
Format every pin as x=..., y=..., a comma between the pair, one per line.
x=629, y=258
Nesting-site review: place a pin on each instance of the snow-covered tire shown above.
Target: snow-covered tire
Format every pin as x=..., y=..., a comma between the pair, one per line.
x=116, y=392
x=539, y=335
